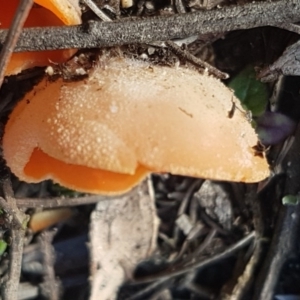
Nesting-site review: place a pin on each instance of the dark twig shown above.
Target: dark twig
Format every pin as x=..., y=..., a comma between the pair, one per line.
x=284, y=241
x=196, y=61
x=208, y=239
x=212, y=223
x=174, y=272
x=194, y=186
x=159, y=28
x=281, y=249
x=13, y=35
x=186, y=199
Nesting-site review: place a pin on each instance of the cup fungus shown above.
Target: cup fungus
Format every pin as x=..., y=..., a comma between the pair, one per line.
x=50, y=13
x=129, y=118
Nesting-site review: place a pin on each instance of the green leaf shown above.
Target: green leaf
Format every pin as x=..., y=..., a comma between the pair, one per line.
x=252, y=93
x=3, y=246
x=290, y=200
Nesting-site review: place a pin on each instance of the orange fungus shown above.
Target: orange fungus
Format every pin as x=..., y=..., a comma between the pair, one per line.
x=47, y=13
x=129, y=118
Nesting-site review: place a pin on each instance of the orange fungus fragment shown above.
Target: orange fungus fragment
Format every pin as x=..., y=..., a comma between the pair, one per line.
x=48, y=14
x=67, y=11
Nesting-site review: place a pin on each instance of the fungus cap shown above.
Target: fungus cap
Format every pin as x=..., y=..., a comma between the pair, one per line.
x=129, y=118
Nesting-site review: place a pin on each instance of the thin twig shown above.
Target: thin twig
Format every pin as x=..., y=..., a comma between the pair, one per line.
x=159, y=28
x=244, y=282
x=15, y=256
x=13, y=35
x=150, y=289
x=241, y=289
x=10, y=288
x=63, y=201
x=60, y=201
x=19, y=219
x=202, y=263
x=51, y=286
x=207, y=241
x=179, y=6
x=6, y=206
x=185, y=201
x=196, y=61
x=290, y=27
x=212, y=223
x=194, y=186
x=100, y=14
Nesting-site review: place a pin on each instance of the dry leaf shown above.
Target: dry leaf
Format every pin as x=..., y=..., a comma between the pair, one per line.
x=123, y=232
